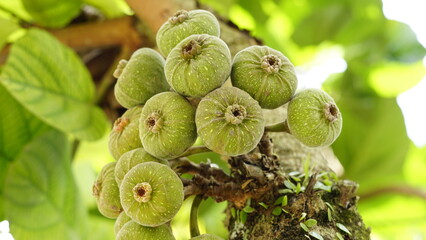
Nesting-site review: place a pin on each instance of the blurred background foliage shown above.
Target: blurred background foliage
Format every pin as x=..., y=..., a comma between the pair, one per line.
x=349, y=48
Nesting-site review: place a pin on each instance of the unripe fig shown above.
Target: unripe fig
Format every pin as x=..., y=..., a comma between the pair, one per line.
x=125, y=133
x=120, y=221
x=134, y=231
x=184, y=24
x=106, y=192
x=266, y=74
x=198, y=65
x=140, y=78
x=151, y=194
x=167, y=125
x=130, y=159
x=314, y=118
x=229, y=121
x=206, y=237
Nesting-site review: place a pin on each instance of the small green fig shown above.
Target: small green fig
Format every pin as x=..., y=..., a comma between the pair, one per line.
x=167, y=125
x=184, y=24
x=134, y=231
x=120, y=221
x=151, y=194
x=314, y=118
x=125, y=133
x=206, y=237
x=266, y=74
x=106, y=192
x=229, y=121
x=198, y=65
x=132, y=158
x=140, y=78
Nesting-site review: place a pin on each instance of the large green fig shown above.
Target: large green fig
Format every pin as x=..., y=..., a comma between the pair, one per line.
x=314, y=118
x=106, y=192
x=229, y=121
x=167, y=125
x=151, y=194
x=135, y=231
x=140, y=78
x=184, y=24
x=266, y=74
x=125, y=133
x=198, y=65
x=130, y=159
x=121, y=220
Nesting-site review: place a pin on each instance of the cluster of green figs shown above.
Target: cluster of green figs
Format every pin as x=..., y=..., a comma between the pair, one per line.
x=176, y=96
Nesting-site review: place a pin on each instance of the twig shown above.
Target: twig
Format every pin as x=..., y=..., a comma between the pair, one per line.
x=193, y=219
x=278, y=127
x=195, y=150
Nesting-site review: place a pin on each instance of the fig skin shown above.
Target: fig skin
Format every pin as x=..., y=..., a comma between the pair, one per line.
x=198, y=65
x=132, y=158
x=229, y=121
x=140, y=78
x=207, y=237
x=167, y=125
x=184, y=24
x=134, y=231
x=125, y=133
x=106, y=192
x=314, y=118
x=154, y=205
x=266, y=74
x=120, y=221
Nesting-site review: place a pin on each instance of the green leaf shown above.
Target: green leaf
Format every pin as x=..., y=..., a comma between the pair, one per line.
x=310, y=223
x=277, y=211
x=248, y=209
x=41, y=197
x=263, y=205
x=304, y=227
x=393, y=78
x=373, y=143
x=17, y=128
x=52, y=13
x=6, y=28
x=343, y=228
x=316, y=235
x=339, y=236
x=52, y=83
x=111, y=8
x=243, y=217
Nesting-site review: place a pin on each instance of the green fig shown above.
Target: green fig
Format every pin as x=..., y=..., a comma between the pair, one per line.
x=198, y=65
x=167, y=125
x=184, y=24
x=134, y=231
x=140, y=78
x=120, y=221
x=106, y=192
x=132, y=158
x=314, y=118
x=229, y=121
x=125, y=133
x=151, y=194
x=266, y=74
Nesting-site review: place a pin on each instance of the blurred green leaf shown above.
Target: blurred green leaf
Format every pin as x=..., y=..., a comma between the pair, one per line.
x=17, y=128
x=395, y=217
x=328, y=21
x=373, y=144
x=52, y=13
x=41, y=198
x=111, y=8
x=14, y=8
x=393, y=78
x=52, y=83
x=6, y=28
